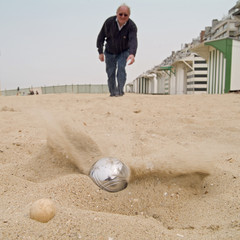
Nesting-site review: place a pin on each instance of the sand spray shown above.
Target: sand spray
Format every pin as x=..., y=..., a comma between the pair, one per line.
x=69, y=142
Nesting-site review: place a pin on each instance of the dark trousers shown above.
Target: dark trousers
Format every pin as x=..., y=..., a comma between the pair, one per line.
x=115, y=67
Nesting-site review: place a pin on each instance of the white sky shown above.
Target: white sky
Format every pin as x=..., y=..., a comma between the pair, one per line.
x=53, y=42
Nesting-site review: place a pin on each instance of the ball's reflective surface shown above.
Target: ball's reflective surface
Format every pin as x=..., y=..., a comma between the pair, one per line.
x=110, y=174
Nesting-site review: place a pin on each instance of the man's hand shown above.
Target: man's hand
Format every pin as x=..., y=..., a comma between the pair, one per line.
x=130, y=59
x=101, y=57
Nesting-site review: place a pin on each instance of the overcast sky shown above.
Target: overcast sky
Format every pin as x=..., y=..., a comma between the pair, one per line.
x=53, y=42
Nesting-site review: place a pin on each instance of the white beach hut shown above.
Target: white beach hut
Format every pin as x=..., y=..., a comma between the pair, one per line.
x=190, y=75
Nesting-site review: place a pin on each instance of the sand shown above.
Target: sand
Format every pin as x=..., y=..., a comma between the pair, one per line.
x=183, y=152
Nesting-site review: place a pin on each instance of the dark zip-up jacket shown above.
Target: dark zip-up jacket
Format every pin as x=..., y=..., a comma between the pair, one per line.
x=117, y=41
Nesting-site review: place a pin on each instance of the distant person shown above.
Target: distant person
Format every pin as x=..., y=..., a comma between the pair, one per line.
x=120, y=34
x=31, y=92
x=18, y=91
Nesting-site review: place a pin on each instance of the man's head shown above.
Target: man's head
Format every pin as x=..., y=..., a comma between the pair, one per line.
x=123, y=13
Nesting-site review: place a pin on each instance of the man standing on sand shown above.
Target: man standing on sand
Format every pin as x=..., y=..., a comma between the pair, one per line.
x=120, y=34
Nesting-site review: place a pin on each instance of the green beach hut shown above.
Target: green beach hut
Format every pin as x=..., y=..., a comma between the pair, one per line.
x=223, y=59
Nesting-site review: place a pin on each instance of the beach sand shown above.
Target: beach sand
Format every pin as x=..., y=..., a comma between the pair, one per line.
x=183, y=152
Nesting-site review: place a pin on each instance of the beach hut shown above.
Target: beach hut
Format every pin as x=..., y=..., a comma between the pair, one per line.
x=197, y=75
x=187, y=74
x=164, y=76
x=155, y=81
x=223, y=60
x=179, y=83
x=190, y=75
x=145, y=84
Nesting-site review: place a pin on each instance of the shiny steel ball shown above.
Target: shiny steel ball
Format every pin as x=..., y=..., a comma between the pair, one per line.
x=110, y=174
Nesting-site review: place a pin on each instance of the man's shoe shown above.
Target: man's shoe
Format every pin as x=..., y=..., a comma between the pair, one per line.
x=121, y=93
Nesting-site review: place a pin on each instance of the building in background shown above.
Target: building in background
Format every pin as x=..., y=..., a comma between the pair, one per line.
x=228, y=27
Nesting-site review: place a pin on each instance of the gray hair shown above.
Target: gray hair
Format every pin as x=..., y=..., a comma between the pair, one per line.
x=124, y=5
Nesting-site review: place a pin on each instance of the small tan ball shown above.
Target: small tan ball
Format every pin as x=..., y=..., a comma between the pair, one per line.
x=42, y=210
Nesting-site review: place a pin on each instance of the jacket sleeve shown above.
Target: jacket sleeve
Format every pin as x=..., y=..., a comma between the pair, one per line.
x=101, y=38
x=133, y=42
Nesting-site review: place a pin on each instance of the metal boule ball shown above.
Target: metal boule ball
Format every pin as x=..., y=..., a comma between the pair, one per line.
x=110, y=174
